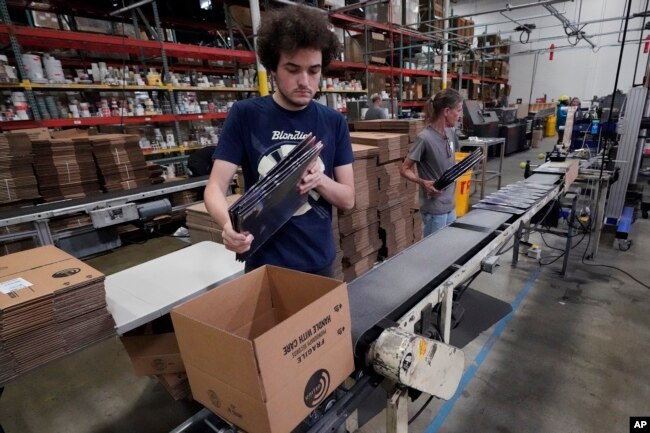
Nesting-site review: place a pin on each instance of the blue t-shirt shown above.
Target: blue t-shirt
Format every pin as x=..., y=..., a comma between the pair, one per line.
x=258, y=133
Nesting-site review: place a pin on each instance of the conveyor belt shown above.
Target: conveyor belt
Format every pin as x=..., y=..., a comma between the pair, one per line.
x=373, y=296
x=483, y=218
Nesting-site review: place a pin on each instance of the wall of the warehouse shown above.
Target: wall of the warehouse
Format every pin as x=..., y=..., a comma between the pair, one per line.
x=577, y=71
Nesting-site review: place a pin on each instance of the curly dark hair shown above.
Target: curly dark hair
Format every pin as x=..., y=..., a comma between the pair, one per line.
x=294, y=27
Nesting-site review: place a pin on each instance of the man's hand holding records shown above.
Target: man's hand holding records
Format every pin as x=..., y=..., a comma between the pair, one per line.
x=235, y=241
x=311, y=179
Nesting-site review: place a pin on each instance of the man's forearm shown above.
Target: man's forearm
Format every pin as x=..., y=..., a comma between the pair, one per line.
x=337, y=194
x=216, y=204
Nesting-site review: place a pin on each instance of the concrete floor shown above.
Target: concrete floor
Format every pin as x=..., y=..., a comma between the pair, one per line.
x=571, y=357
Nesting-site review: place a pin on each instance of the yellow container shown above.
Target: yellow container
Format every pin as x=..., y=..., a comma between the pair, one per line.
x=550, y=126
x=462, y=188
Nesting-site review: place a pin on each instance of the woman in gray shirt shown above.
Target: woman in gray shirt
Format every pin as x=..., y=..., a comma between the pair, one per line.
x=432, y=154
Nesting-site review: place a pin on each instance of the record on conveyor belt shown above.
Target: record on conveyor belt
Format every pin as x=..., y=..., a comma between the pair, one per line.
x=499, y=208
x=456, y=171
x=514, y=197
x=502, y=202
x=274, y=198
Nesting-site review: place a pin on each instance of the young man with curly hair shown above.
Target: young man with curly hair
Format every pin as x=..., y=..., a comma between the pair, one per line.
x=295, y=44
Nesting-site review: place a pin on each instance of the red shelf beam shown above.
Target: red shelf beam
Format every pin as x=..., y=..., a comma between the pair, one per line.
x=96, y=121
x=47, y=38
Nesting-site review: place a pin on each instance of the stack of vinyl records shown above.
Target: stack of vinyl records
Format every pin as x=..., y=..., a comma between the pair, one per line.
x=456, y=171
x=65, y=169
x=17, y=180
x=270, y=203
x=515, y=198
x=119, y=160
x=201, y=225
x=51, y=304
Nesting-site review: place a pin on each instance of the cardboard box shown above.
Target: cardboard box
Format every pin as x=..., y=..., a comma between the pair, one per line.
x=154, y=354
x=262, y=351
x=40, y=273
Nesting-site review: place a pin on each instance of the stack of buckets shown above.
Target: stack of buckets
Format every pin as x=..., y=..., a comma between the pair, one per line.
x=462, y=188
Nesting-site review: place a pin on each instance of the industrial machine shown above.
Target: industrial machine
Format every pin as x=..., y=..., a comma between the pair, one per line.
x=478, y=122
x=106, y=211
x=512, y=129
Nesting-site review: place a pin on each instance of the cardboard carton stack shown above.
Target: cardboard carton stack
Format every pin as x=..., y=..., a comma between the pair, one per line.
x=338, y=261
x=17, y=180
x=201, y=225
x=51, y=304
x=396, y=194
x=120, y=161
x=64, y=169
x=358, y=228
x=153, y=350
x=14, y=246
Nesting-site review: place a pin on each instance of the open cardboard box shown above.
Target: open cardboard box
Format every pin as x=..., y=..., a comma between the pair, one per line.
x=262, y=351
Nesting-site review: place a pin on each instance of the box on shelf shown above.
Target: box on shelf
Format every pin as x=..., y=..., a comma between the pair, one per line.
x=46, y=20
x=378, y=48
x=438, y=8
x=93, y=25
x=354, y=48
x=411, y=13
x=262, y=351
x=380, y=12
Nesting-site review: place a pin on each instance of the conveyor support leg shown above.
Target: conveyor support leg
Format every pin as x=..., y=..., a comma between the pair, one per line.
x=397, y=412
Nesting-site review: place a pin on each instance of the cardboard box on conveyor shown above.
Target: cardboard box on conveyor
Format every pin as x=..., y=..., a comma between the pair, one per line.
x=262, y=351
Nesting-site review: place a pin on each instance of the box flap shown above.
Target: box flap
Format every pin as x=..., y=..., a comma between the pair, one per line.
x=212, y=322
x=307, y=336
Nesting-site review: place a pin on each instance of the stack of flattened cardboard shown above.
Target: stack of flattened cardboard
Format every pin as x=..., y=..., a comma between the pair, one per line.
x=396, y=229
x=17, y=180
x=201, y=225
x=391, y=146
x=417, y=225
x=358, y=228
x=410, y=127
x=337, y=270
x=120, y=161
x=51, y=304
x=394, y=190
x=65, y=169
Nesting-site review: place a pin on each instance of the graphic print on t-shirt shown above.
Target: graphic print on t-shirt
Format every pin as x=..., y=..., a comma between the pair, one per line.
x=279, y=151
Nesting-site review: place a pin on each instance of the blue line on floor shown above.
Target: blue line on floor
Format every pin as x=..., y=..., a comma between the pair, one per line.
x=448, y=406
